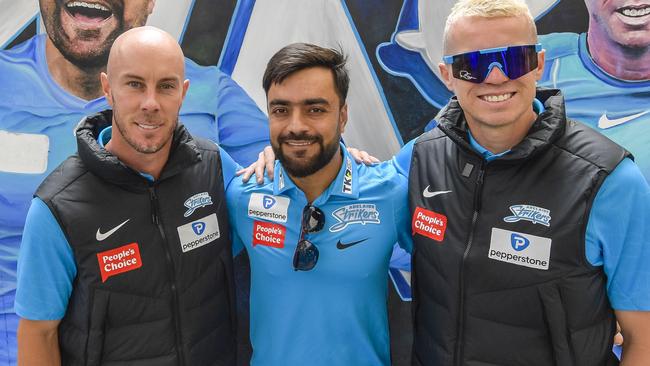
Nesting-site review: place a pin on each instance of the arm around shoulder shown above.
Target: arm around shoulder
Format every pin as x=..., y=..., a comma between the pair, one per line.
x=38, y=343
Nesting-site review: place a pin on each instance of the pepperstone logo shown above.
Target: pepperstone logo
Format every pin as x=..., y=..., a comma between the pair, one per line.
x=198, y=233
x=362, y=213
x=268, y=207
x=520, y=249
x=197, y=201
x=534, y=214
x=268, y=202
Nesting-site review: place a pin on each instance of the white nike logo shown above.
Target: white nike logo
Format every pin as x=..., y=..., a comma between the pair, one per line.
x=604, y=122
x=99, y=236
x=428, y=194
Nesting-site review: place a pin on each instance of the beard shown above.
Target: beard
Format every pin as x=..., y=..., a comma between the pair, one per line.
x=301, y=167
x=93, y=59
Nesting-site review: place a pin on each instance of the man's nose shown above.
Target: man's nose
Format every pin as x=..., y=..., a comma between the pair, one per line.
x=150, y=102
x=496, y=75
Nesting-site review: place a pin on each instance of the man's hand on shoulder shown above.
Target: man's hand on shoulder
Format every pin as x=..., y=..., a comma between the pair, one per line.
x=265, y=162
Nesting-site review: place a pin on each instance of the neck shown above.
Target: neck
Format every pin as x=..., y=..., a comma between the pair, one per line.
x=151, y=164
x=83, y=83
x=314, y=185
x=626, y=63
x=498, y=139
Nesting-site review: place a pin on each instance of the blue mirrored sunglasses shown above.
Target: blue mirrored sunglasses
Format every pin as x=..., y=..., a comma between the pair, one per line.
x=475, y=66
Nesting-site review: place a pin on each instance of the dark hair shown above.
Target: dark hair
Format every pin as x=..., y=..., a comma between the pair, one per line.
x=300, y=56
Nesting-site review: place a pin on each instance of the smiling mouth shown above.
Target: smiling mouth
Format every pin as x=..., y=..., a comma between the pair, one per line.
x=147, y=126
x=88, y=11
x=634, y=11
x=495, y=98
x=299, y=142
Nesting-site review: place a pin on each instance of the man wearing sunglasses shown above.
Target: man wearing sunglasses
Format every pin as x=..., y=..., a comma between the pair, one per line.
x=530, y=230
x=319, y=236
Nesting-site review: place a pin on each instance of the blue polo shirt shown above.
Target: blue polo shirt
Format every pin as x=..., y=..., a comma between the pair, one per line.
x=334, y=314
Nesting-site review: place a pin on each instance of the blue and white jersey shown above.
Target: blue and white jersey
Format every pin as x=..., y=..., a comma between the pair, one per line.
x=617, y=108
x=334, y=314
x=38, y=117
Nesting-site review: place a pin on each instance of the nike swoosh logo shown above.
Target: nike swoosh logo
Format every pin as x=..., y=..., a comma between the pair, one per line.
x=604, y=122
x=340, y=245
x=428, y=194
x=101, y=236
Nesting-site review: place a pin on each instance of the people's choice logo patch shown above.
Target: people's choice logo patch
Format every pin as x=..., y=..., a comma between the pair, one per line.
x=268, y=234
x=119, y=260
x=198, y=233
x=268, y=207
x=520, y=249
x=428, y=223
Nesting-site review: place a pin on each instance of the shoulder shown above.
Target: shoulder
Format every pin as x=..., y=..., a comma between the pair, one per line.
x=61, y=178
x=384, y=176
x=587, y=144
x=558, y=45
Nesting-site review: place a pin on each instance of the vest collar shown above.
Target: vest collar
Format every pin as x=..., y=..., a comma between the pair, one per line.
x=547, y=128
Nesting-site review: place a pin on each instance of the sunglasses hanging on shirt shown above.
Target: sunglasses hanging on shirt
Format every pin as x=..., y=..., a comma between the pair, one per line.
x=306, y=255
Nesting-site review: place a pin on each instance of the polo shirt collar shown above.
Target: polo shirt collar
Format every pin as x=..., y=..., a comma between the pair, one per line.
x=346, y=183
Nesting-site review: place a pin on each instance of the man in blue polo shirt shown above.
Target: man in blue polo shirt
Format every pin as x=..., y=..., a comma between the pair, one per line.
x=320, y=236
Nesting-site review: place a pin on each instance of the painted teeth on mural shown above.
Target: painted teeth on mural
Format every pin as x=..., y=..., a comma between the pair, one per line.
x=82, y=4
x=635, y=13
x=497, y=98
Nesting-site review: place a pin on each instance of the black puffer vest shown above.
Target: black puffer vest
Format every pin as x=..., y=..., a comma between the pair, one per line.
x=154, y=281
x=500, y=275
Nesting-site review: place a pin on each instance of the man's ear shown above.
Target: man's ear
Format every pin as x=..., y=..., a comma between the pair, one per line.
x=150, y=6
x=186, y=86
x=446, y=76
x=343, y=117
x=539, y=71
x=106, y=88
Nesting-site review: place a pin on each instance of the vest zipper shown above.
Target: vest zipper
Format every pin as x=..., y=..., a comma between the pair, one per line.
x=155, y=217
x=461, y=294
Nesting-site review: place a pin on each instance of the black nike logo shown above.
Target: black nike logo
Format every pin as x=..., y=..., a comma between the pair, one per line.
x=340, y=245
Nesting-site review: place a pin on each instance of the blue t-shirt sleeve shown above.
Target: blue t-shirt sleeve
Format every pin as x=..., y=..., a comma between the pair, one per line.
x=402, y=161
x=618, y=237
x=233, y=193
x=229, y=168
x=402, y=214
x=46, y=267
x=243, y=128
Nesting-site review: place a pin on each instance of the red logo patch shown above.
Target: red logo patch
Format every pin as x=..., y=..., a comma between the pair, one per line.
x=119, y=260
x=268, y=234
x=429, y=224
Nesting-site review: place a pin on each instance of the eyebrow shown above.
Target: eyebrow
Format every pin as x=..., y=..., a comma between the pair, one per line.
x=140, y=78
x=310, y=101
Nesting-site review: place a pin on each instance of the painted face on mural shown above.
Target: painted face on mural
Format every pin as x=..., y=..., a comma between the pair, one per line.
x=626, y=22
x=83, y=31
